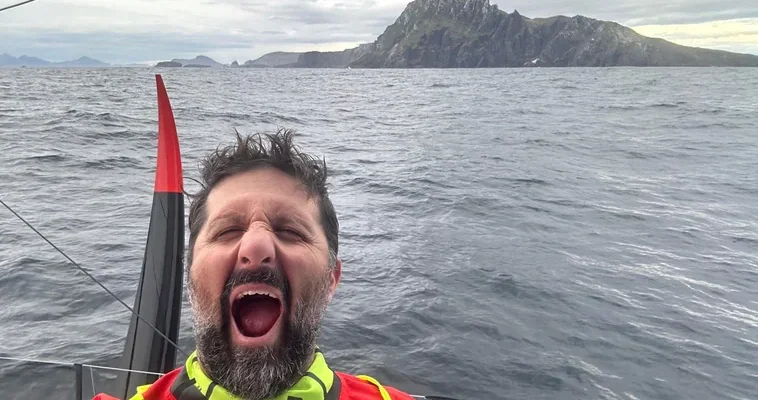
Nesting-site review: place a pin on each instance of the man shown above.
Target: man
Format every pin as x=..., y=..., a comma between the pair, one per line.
x=262, y=267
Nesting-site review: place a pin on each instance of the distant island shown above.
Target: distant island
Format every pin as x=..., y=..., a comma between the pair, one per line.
x=197, y=62
x=472, y=34
x=7, y=60
x=171, y=64
x=269, y=60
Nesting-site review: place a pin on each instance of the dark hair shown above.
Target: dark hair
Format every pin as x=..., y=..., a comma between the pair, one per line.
x=251, y=153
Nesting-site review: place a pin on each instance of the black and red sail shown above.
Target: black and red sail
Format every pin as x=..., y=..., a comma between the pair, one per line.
x=159, y=294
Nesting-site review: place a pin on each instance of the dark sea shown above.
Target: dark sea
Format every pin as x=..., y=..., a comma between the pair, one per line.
x=506, y=233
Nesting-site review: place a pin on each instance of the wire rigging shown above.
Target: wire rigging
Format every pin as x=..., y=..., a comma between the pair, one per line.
x=94, y=279
x=16, y=5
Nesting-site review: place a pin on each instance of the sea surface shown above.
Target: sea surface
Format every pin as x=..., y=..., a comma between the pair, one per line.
x=506, y=233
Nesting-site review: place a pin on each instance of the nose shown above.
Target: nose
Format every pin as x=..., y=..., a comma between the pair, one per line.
x=256, y=249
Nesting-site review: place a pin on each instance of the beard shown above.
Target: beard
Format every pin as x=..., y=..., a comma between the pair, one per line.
x=266, y=371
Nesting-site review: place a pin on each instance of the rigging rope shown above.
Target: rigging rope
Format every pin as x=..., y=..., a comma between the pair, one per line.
x=68, y=363
x=95, y=280
x=16, y=5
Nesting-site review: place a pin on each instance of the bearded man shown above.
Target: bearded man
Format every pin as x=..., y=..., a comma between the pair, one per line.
x=262, y=267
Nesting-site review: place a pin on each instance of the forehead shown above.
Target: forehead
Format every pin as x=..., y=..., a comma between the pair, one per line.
x=266, y=188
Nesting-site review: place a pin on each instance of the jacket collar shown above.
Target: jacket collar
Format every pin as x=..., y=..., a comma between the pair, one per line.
x=318, y=383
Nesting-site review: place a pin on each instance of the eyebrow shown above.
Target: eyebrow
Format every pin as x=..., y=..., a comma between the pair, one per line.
x=287, y=216
x=229, y=216
x=279, y=216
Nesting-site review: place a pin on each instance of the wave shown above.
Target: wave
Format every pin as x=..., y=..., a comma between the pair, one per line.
x=112, y=163
x=370, y=237
x=395, y=190
x=637, y=154
x=540, y=142
x=564, y=203
x=530, y=181
x=744, y=239
x=75, y=115
x=282, y=117
x=626, y=107
x=668, y=105
x=531, y=112
x=47, y=157
x=326, y=120
x=369, y=162
x=717, y=110
x=548, y=143
x=265, y=116
x=536, y=209
x=437, y=183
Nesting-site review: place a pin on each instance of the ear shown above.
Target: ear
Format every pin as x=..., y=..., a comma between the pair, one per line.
x=335, y=277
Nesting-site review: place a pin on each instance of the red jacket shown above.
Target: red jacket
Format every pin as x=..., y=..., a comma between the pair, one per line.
x=176, y=386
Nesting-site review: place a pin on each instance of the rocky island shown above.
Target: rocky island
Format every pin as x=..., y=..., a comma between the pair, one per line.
x=169, y=64
x=475, y=33
x=197, y=62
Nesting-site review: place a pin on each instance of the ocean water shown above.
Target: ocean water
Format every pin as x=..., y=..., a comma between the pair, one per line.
x=506, y=233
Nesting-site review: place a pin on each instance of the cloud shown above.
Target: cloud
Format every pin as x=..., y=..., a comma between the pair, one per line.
x=136, y=30
x=732, y=35
x=142, y=29
x=640, y=12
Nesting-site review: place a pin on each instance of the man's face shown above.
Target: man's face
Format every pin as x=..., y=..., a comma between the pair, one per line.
x=260, y=282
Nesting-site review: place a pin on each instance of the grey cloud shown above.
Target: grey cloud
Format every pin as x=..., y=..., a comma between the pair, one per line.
x=306, y=22
x=365, y=17
x=640, y=12
x=355, y=14
x=362, y=14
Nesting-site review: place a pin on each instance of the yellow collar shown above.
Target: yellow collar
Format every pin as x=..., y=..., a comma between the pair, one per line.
x=314, y=385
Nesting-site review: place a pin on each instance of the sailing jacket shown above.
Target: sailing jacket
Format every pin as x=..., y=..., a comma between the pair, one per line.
x=319, y=383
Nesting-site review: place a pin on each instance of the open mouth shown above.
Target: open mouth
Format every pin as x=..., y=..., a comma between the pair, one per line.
x=256, y=311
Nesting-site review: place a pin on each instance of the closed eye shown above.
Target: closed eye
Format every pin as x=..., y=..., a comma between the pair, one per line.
x=291, y=233
x=224, y=233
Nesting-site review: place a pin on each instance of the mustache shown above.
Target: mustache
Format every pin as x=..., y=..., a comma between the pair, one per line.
x=266, y=275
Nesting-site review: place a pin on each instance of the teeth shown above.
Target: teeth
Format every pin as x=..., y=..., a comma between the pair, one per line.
x=254, y=292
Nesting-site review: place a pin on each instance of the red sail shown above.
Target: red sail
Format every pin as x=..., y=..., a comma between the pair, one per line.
x=168, y=175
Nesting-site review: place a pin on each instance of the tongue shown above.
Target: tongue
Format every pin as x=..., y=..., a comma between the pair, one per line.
x=257, y=314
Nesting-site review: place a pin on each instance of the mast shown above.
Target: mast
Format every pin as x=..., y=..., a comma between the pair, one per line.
x=159, y=294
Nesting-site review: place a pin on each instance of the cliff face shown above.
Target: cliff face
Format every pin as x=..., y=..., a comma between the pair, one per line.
x=474, y=33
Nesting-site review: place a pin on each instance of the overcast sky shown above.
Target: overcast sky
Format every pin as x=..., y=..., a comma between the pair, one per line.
x=126, y=31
